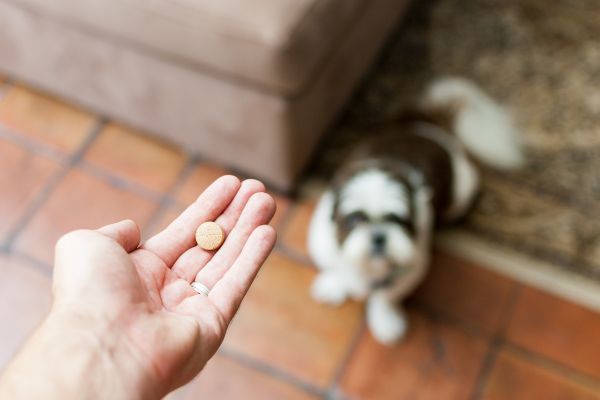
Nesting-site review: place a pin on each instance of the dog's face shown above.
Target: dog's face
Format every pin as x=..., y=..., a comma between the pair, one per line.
x=374, y=216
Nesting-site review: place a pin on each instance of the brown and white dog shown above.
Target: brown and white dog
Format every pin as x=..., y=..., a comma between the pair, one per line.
x=370, y=234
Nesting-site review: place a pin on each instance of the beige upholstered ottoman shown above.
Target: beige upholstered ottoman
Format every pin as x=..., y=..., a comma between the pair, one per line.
x=251, y=84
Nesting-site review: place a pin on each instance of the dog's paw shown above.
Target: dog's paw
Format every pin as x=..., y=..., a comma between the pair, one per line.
x=328, y=289
x=388, y=327
x=390, y=330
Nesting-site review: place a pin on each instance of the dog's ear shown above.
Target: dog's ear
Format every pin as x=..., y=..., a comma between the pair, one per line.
x=423, y=197
x=336, y=203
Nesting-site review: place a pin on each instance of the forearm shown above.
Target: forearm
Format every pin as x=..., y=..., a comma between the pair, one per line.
x=64, y=361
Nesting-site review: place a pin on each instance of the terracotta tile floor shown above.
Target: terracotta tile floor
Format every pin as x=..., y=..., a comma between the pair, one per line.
x=475, y=334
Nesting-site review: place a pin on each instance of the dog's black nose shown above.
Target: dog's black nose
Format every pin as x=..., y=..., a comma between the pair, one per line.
x=379, y=240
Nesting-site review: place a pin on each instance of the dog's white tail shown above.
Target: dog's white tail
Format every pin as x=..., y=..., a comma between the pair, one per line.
x=485, y=128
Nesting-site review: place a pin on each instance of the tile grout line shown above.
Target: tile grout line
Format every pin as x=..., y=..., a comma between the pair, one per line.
x=272, y=371
x=99, y=172
x=52, y=183
x=565, y=371
x=34, y=263
x=486, y=367
x=32, y=146
x=167, y=199
x=118, y=181
x=334, y=390
x=496, y=345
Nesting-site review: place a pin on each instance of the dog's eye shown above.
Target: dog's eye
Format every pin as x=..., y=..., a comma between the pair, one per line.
x=394, y=219
x=353, y=219
x=398, y=220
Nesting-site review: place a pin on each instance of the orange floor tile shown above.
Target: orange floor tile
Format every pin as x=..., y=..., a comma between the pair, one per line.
x=478, y=298
x=474, y=334
x=79, y=200
x=514, y=377
x=24, y=301
x=278, y=306
x=296, y=228
x=217, y=382
x=558, y=330
x=195, y=182
x=23, y=176
x=45, y=119
x=132, y=155
x=436, y=361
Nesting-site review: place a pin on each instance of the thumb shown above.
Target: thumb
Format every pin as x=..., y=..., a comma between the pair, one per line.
x=90, y=263
x=126, y=233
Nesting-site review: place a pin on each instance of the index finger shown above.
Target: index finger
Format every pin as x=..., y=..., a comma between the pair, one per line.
x=179, y=236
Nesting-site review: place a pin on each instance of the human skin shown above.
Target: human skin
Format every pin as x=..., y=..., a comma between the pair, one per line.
x=125, y=323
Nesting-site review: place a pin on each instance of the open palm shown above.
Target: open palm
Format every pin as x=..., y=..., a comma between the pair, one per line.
x=143, y=292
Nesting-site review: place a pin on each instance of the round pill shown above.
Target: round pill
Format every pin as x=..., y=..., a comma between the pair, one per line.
x=210, y=236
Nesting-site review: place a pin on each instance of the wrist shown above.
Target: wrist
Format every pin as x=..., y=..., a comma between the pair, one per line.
x=78, y=356
x=104, y=349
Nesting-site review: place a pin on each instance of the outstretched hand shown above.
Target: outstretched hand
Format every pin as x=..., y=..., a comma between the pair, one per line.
x=135, y=302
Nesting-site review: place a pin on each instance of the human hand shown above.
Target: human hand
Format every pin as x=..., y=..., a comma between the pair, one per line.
x=132, y=307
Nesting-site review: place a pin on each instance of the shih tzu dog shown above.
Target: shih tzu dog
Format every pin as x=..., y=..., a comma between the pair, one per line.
x=370, y=234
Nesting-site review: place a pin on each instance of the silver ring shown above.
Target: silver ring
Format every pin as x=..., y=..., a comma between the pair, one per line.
x=200, y=288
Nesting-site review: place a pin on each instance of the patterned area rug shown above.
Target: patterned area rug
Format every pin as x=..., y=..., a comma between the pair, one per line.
x=542, y=60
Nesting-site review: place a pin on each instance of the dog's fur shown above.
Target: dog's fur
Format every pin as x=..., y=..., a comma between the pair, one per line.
x=371, y=231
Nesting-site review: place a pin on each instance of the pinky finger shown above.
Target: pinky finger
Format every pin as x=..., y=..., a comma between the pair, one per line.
x=229, y=291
